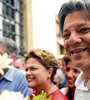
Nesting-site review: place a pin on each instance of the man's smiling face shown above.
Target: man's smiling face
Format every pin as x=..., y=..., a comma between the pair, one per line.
x=76, y=32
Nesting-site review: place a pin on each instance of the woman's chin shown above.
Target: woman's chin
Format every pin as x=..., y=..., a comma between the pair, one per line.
x=71, y=85
x=30, y=85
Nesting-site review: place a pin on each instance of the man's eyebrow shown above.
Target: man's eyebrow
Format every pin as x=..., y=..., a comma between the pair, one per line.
x=65, y=30
x=85, y=24
x=78, y=26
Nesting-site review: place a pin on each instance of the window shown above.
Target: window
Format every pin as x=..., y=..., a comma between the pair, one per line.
x=10, y=18
x=9, y=30
x=8, y=8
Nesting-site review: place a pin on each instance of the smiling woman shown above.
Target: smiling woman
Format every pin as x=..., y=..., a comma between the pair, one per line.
x=41, y=68
x=71, y=73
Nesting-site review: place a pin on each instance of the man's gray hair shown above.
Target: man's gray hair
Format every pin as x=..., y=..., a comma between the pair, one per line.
x=10, y=44
x=20, y=57
x=72, y=6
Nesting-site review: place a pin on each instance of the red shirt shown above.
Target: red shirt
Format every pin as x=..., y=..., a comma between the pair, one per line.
x=56, y=95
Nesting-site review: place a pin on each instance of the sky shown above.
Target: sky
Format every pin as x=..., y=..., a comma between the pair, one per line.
x=58, y=4
x=44, y=23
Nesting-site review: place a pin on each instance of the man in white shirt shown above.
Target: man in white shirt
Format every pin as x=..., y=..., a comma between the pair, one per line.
x=74, y=19
x=82, y=92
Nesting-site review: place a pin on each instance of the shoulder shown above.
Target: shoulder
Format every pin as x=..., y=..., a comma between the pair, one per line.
x=79, y=81
x=18, y=71
x=18, y=74
x=64, y=90
x=57, y=95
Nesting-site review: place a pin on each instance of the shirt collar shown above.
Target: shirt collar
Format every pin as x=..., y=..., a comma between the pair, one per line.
x=9, y=75
x=80, y=82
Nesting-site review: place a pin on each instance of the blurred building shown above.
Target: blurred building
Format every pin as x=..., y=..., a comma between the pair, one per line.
x=59, y=41
x=11, y=20
x=32, y=24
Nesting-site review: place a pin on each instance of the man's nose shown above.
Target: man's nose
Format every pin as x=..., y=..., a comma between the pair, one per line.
x=74, y=39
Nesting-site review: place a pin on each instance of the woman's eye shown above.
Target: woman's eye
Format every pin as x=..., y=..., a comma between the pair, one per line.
x=67, y=69
x=33, y=68
x=76, y=71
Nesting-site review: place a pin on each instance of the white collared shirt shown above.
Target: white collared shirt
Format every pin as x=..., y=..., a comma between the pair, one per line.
x=82, y=92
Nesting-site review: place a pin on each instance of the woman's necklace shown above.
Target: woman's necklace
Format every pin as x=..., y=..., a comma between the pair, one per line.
x=52, y=90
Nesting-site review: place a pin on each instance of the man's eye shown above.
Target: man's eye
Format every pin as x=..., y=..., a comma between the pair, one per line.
x=85, y=30
x=17, y=67
x=26, y=69
x=66, y=36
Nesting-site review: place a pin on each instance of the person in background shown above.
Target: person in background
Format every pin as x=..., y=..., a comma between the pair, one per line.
x=41, y=68
x=60, y=65
x=19, y=62
x=60, y=73
x=61, y=78
x=56, y=81
x=71, y=73
x=13, y=79
x=74, y=18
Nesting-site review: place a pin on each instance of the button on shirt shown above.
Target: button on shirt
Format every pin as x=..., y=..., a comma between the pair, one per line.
x=82, y=92
x=14, y=80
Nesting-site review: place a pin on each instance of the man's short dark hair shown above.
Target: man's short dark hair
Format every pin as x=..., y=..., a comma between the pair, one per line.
x=72, y=6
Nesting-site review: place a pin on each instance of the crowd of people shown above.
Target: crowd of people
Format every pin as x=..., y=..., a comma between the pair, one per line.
x=13, y=79
x=67, y=78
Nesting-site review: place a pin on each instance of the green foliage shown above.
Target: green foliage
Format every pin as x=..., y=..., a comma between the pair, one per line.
x=41, y=96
